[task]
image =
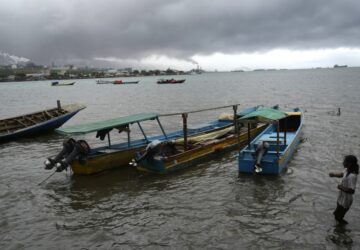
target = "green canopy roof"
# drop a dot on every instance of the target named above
(265, 115)
(108, 124)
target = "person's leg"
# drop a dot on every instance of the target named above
(339, 213)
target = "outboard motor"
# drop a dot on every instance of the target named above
(68, 147)
(68, 154)
(261, 150)
(151, 150)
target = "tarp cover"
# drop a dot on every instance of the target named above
(108, 124)
(265, 115)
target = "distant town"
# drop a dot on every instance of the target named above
(31, 72)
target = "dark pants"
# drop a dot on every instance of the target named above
(340, 212)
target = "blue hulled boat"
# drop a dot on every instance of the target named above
(37, 122)
(281, 138)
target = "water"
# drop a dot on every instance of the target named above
(204, 207)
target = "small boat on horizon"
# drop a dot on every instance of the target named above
(56, 83)
(36, 123)
(170, 81)
(116, 82)
(104, 82)
(275, 145)
(125, 82)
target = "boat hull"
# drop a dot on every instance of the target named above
(102, 162)
(62, 84)
(191, 157)
(171, 81)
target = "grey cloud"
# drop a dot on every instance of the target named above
(80, 30)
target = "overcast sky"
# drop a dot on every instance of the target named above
(223, 35)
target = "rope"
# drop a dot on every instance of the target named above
(46, 178)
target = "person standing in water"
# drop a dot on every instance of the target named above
(347, 187)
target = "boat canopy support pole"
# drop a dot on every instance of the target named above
(285, 120)
(236, 132)
(278, 137)
(108, 136)
(161, 127)
(184, 116)
(128, 135)
(248, 135)
(142, 131)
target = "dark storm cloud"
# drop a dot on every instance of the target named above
(78, 30)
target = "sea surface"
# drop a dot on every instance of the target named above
(204, 207)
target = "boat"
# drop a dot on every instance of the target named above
(104, 82)
(62, 84)
(124, 82)
(119, 155)
(37, 122)
(280, 140)
(170, 156)
(170, 81)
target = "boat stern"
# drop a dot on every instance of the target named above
(270, 165)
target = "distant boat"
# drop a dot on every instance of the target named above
(170, 81)
(340, 66)
(104, 82)
(62, 84)
(123, 82)
(37, 122)
(282, 136)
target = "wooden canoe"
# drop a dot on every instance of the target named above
(170, 81)
(36, 123)
(62, 84)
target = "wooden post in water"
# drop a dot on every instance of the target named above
(58, 105)
(184, 116)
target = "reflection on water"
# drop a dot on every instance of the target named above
(207, 206)
(340, 236)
